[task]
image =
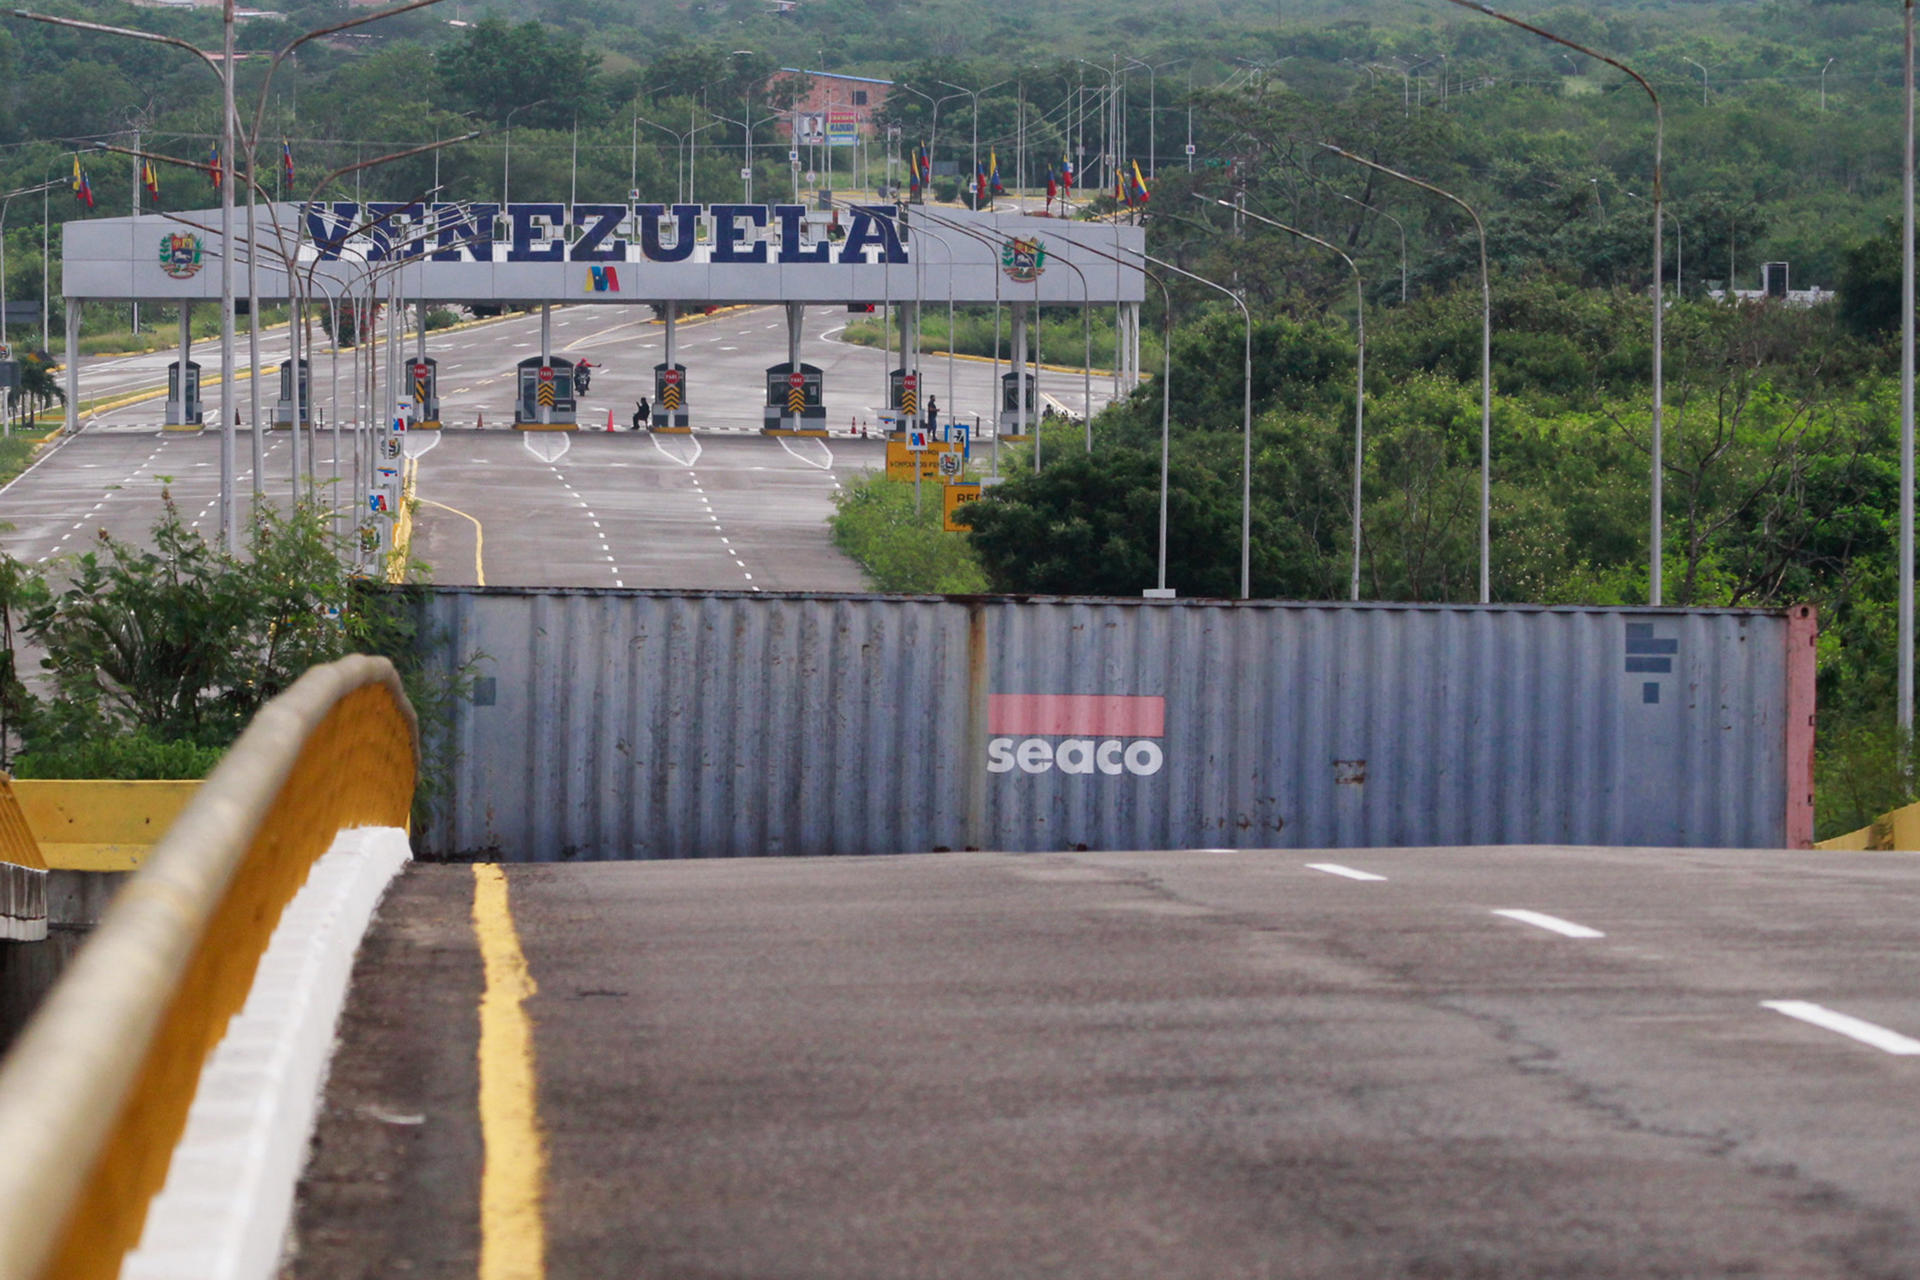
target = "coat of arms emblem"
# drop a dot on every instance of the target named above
(180, 254)
(1023, 260)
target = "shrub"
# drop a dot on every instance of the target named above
(900, 549)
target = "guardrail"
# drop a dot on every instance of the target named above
(96, 1090)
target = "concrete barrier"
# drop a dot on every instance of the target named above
(1899, 830)
(96, 1091)
(99, 825)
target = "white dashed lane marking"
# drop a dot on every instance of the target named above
(1553, 924)
(1335, 869)
(1867, 1033)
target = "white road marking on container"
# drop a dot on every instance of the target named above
(1335, 869)
(1860, 1029)
(1555, 924)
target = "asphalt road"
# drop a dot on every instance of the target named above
(500, 508)
(630, 509)
(1197, 1064)
(725, 507)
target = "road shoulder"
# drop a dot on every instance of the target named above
(392, 1183)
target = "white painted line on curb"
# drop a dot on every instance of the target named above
(1854, 1028)
(1539, 920)
(1335, 869)
(229, 1194)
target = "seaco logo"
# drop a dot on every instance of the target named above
(1108, 734)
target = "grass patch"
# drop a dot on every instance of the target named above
(899, 549)
(15, 453)
(1061, 338)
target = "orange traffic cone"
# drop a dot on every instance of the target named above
(609, 419)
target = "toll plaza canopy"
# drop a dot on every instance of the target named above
(613, 253)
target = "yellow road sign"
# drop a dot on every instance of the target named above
(957, 496)
(900, 459)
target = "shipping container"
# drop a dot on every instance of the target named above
(648, 724)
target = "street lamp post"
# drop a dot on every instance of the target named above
(1906, 405)
(1401, 226)
(1108, 141)
(222, 65)
(993, 246)
(681, 137)
(933, 133)
(1679, 250)
(975, 95)
(1703, 78)
(1659, 257)
(746, 126)
(506, 148)
(1152, 100)
(1486, 364)
(5, 200)
(1823, 83)
(1359, 374)
(289, 257)
(1246, 417)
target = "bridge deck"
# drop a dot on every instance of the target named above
(1154, 1065)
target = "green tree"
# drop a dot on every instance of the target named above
(1089, 524)
(495, 68)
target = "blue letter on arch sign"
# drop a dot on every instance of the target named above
(872, 224)
(791, 217)
(727, 232)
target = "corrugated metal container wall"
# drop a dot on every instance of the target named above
(628, 724)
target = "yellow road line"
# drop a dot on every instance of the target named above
(479, 539)
(513, 1235)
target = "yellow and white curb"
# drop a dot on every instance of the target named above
(228, 1200)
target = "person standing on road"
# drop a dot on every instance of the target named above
(642, 412)
(933, 414)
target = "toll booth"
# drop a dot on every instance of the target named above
(283, 410)
(183, 410)
(545, 394)
(1009, 425)
(670, 397)
(423, 373)
(794, 400)
(905, 391)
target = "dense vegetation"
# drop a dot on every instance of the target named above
(152, 656)
(1781, 142)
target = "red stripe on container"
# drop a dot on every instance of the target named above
(1081, 715)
